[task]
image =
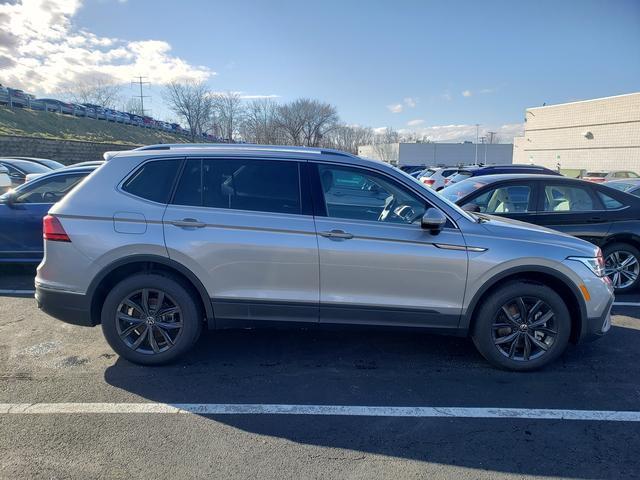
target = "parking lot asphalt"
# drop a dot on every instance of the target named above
(45, 361)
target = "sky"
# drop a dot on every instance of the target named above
(436, 68)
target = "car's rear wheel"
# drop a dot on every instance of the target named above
(151, 319)
(522, 326)
(622, 266)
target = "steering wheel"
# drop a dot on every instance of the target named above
(389, 204)
(49, 197)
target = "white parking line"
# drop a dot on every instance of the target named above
(16, 292)
(338, 410)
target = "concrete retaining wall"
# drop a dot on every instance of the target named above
(64, 151)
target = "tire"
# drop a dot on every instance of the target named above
(176, 323)
(492, 326)
(615, 255)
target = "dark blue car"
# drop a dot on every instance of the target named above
(22, 210)
(477, 171)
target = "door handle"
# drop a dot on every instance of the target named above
(188, 223)
(336, 234)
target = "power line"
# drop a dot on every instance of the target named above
(141, 81)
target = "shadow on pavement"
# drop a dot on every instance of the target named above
(406, 369)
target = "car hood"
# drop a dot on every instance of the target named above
(517, 230)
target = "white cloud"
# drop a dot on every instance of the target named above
(487, 90)
(42, 51)
(258, 97)
(461, 133)
(395, 108)
(467, 93)
(415, 123)
(446, 96)
(410, 102)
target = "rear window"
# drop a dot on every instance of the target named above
(460, 176)
(448, 173)
(427, 173)
(456, 191)
(29, 167)
(596, 174)
(153, 181)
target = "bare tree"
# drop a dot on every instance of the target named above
(192, 102)
(228, 110)
(319, 119)
(385, 145)
(290, 118)
(133, 106)
(259, 123)
(306, 121)
(348, 138)
(98, 91)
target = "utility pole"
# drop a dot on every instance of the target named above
(477, 131)
(141, 81)
(484, 142)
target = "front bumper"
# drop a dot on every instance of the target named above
(69, 307)
(598, 326)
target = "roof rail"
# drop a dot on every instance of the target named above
(243, 146)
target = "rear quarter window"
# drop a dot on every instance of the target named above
(153, 180)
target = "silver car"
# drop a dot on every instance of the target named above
(165, 240)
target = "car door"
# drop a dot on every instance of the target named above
(512, 199)
(21, 216)
(245, 227)
(384, 268)
(572, 207)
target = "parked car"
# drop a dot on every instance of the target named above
(110, 115)
(607, 175)
(22, 211)
(435, 177)
(163, 240)
(4, 94)
(596, 213)
(17, 97)
(53, 105)
(5, 179)
(98, 111)
(19, 169)
(631, 185)
(52, 164)
(477, 171)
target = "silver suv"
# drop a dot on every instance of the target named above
(163, 240)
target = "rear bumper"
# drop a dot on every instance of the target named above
(598, 326)
(69, 307)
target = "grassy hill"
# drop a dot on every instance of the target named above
(51, 125)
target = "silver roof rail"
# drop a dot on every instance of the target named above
(243, 146)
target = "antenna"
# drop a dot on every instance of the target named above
(141, 81)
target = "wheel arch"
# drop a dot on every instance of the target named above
(540, 275)
(621, 237)
(114, 272)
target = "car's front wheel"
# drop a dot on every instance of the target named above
(522, 326)
(622, 266)
(151, 319)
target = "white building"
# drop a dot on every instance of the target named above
(598, 134)
(442, 154)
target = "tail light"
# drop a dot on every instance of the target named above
(428, 181)
(52, 230)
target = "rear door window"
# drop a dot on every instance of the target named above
(504, 200)
(241, 184)
(569, 198)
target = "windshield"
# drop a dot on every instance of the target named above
(28, 167)
(456, 191)
(622, 186)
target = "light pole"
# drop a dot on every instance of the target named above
(476, 155)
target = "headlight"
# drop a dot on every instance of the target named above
(595, 264)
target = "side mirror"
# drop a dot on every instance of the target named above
(8, 198)
(471, 207)
(433, 220)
